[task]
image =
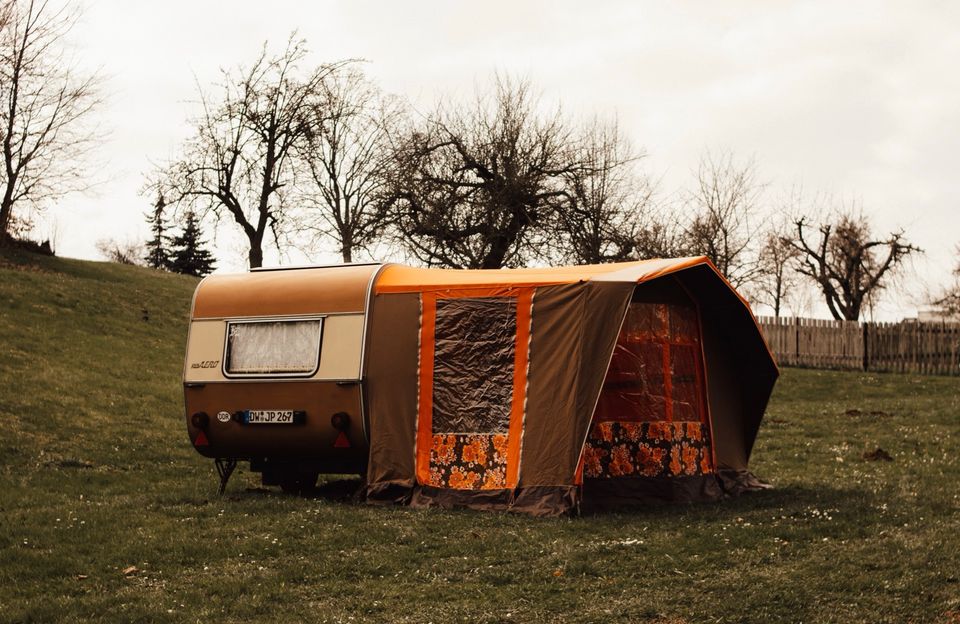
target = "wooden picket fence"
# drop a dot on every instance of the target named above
(906, 347)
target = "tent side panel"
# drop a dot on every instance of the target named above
(725, 398)
(574, 330)
(467, 395)
(740, 373)
(391, 395)
(549, 436)
(607, 304)
(650, 440)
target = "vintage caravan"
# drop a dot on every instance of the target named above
(537, 390)
(274, 369)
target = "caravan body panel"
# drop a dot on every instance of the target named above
(273, 366)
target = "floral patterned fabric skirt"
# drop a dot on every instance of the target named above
(469, 461)
(649, 449)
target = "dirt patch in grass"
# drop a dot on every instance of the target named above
(878, 454)
(857, 412)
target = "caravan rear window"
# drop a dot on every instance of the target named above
(273, 348)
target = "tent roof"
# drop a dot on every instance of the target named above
(398, 278)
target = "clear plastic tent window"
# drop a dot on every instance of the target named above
(654, 374)
(473, 365)
(273, 347)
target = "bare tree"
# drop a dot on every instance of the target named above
(725, 217)
(848, 264)
(778, 281)
(777, 264)
(347, 154)
(122, 252)
(660, 234)
(476, 186)
(6, 12)
(44, 103)
(609, 212)
(241, 162)
(949, 300)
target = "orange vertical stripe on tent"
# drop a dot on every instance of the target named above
(667, 381)
(425, 399)
(520, 358)
(578, 475)
(702, 399)
(664, 340)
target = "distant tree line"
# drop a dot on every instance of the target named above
(314, 156)
(294, 154)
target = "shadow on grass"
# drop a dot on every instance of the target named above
(334, 491)
(788, 499)
(339, 490)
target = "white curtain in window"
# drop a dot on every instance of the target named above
(274, 347)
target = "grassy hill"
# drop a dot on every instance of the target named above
(97, 477)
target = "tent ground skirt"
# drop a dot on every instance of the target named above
(618, 494)
(533, 500)
(643, 492)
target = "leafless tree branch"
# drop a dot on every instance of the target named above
(474, 185)
(724, 204)
(241, 163)
(610, 207)
(347, 158)
(847, 263)
(44, 106)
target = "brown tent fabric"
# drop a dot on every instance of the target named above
(741, 372)
(573, 336)
(452, 423)
(391, 396)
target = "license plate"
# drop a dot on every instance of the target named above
(270, 417)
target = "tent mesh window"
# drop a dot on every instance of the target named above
(473, 372)
(651, 416)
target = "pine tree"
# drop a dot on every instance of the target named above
(189, 256)
(158, 253)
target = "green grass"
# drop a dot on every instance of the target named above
(96, 475)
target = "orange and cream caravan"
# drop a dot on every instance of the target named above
(273, 372)
(539, 390)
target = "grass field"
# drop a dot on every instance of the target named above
(97, 477)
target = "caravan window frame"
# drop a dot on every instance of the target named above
(272, 319)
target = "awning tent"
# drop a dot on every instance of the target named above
(541, 390)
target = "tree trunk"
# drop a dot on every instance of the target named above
(6, 209)
(346, 249)
(500, 245)
(256, 254)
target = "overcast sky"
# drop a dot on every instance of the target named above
(860, 100)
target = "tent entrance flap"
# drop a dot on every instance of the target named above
(473, 376)
(651, 419)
